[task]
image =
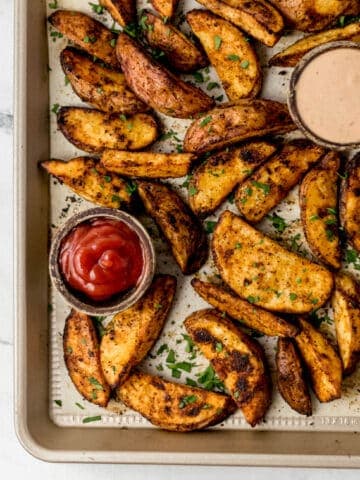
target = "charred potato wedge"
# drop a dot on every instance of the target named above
(82, 359)
(348, 285)
(250, 315)
(211, 182)
(232, 56)
(173, 406)
(290, 377)
(86, 32)
(224, 126)
(131, 334)
(322, 362)
(270, 184)
(157, 86)
(318, 207)
(238, 360)
(94, 131)
(264, 273)
(350, 202)
(147, 164)
(122, 11)
(89, 179)
(178, 224)
(166, 8)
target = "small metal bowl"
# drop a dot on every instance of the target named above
(118, 302)
(292, 95)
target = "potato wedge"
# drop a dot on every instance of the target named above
(105, 89)
(81, 355)
(353, 8)
(131, 334)
(290, 377)
(179, 50)
(122, 11)
(270, 184)
(322, 362)
(212, 181)
(166, 8)
(173, 406)
(89, 179)
(232, 56)
(86, 32)
(250, 315)
(157, 86)
(291, 55)
(147, 164)
(348, 285)
(224, 126)
(318, 206)
(93, 131)
(179, 225)
(238, 360)
(263, 272)
(350, 202)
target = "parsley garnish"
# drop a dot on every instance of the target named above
(293, 296)
(198, 77)
(58, 403)
(253, 299)
(55, 108)
(205, 121)
(187, 400)
(91, 419)
(212, 85)
(96, 383)
(245, 64)
(131, 187)
(209, 226)
(263, 186)
(192, 190)
(99, 9)
(217, 42)
(79, 406)
(53, 4)
(209, 380)
(233, 57)
(278, 222)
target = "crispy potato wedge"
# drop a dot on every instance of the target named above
(322, 361)
(86, 32)
(82, 359)
(179, 50)
(353, 8)
(318, 206)
(212, 181)
(265, 273)
(290, 377)
(224, 126)
(166, 8)
(347, 284)
(157, 86)
(89, 179)
(291, 55)
(106, 89)
(250, 315)
(180, 227)
(257, 18)
(122, 11)
(131, 333)
(233, 58)
(147, 164)
(270, 184)
(350, 202)
(173, 406)
(93, 131)
(238, 360)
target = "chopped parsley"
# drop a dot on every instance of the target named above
(131, 187)
(191, 382)
(187, 400)
(314, 217)
(53, 4)
(253, 299)
(97, 385)
(55, 108)
(96, 8)
(278, 222)
(209, 380)
(158, 306)
(170, 357)
(205, 121)
(79, 406)
(58, 403)
(107, 178)
(262, 186)
(162, 349)
(209, 226)
(217, 42)
(198, 77)
(238, 246)
(91, 419)
(293, 296)
(192, 190)
(113, 42)
(219, 347)
(212, 85)
(89, 39)
(233, 58)
(245, 64)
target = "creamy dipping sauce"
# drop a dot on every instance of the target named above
(327, 95)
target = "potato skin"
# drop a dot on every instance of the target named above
(157, 86)
(81, 355)
(350, 202)
(290, 377)
(163, 403)
(166, 8)
(179, 225)
(122, 11)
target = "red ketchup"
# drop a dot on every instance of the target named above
(101, 258)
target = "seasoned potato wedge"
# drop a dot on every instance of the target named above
(122, 11)
(318, 205)
(93, 131)
(157, 86)
(147, 164)
(347, 284)
(87, 33)
(224, 126)
(212, 181)
(179, 225)
(238, 360)
(265, 273)
(81, 354)
(270, 184)
(291, 55)
(173, 406)
(104, 88)
(353, 8)
(166, 8)
(250, 315)
(131, 334)
(179, 50)
(257, 18)
(89, 179)
(350, 202)
(290, 377)
(322, 361)
(232, 56)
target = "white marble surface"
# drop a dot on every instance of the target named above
(13, 459)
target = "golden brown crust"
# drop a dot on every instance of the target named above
(166, 8)
(350, 202)
(122, 11)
